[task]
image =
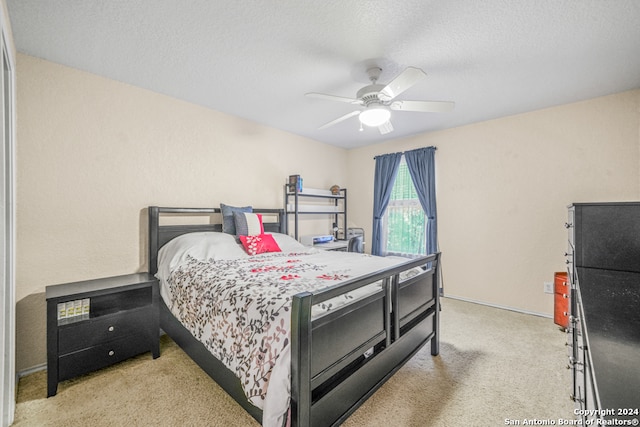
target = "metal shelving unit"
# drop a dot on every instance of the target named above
(335, 205)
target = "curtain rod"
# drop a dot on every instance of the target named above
(434, 147)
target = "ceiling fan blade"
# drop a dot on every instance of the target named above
(385, 128)
(333, 98)
(404, 80)
(340, 119)
(423, 106)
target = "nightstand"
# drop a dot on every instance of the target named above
(96, 323)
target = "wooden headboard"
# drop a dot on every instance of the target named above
(159, 235)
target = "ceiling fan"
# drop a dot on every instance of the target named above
(378, 100)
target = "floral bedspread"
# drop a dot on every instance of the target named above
(240, 308)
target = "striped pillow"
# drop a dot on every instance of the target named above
(248, 224)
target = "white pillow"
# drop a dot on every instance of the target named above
(201, 245)
(288, 243)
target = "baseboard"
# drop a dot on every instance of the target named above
(548, 316)
(31, 370)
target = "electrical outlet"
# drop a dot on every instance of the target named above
(548, 287)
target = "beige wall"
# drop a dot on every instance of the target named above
(94, 153)
(503, 187)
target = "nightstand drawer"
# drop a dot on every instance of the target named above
(100, 356)
(84, 334)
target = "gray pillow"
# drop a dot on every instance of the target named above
(228, 223)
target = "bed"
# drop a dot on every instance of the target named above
(341, 324)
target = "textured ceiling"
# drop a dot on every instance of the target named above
(257, 59)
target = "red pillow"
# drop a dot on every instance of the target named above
(259, 244)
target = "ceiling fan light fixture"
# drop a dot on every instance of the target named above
(375, 116)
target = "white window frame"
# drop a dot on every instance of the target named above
(385, 230)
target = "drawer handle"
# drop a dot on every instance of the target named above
(565, 296)
(111, 329)
(111, 352)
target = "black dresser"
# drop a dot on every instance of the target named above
(604, 325)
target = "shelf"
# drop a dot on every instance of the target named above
(312, 192)
(318, 209)
(334, 204)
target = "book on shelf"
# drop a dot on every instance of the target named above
(62, 311)
(295, 183)
(73, 311)
(86, 308)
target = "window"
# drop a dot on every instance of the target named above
(404, 225)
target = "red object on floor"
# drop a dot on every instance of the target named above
(561, 299)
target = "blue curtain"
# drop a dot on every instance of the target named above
(421, 166)
(385, 176)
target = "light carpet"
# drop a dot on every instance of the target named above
(495, 366)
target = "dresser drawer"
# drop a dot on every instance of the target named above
(88, 333)
(102, 355)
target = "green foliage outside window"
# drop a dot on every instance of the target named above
(403, 188)
(405, 219)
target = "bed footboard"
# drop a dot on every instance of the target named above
(340, 359)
